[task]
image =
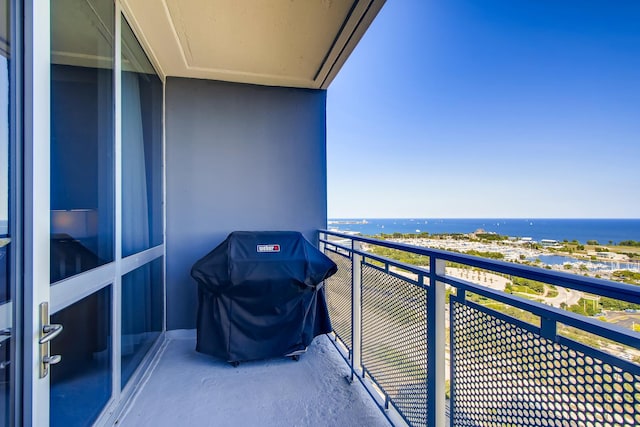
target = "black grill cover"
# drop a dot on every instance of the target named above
(260, 295)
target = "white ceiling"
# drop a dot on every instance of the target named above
(297, 43)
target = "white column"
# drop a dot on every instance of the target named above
(439, 345)
(37, 66)
(356, 310)
(116, 289)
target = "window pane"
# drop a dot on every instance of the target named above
(81, 136)
(142, 313)
(81, 382)
(141, 148)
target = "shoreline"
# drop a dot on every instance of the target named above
(604, 230)
(578, 263)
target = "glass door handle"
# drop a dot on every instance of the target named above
(49, 332)
(52, 360)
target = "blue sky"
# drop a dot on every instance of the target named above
(489, 108)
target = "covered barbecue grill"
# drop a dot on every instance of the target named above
(260, 295)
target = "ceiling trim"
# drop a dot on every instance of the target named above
(188, 63)
(354, 5)
(137, 31)
(174, 33)
(364, 12)
(359, 16)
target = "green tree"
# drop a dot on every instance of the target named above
(585, 307)
(627, 276)
(492, 255)
(528, 286)
(617, 305)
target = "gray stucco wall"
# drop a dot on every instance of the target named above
(238, 157)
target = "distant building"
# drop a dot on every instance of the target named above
(607, 255)
(524, 240)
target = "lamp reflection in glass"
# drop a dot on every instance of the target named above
(75, 223)
(73, 234)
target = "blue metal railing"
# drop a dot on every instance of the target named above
(503, 369)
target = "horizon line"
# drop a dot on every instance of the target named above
(478, 217)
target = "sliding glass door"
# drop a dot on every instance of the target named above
(82, 231)
(106, 242)
(91, 246)
(142, 291)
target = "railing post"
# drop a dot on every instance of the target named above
(437, 344)
(356, 308)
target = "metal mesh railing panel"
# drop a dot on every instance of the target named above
(506, 375)
(394, 340)
(339, 297)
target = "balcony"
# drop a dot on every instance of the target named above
(188, 388)
(478, 356)
(484, 357)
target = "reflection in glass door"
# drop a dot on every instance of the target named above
(106, 234)
(81, 382)
(82, 208)
(82, 136)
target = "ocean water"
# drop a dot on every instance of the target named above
(602, 230)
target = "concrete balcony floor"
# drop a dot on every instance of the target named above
(186, 388)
